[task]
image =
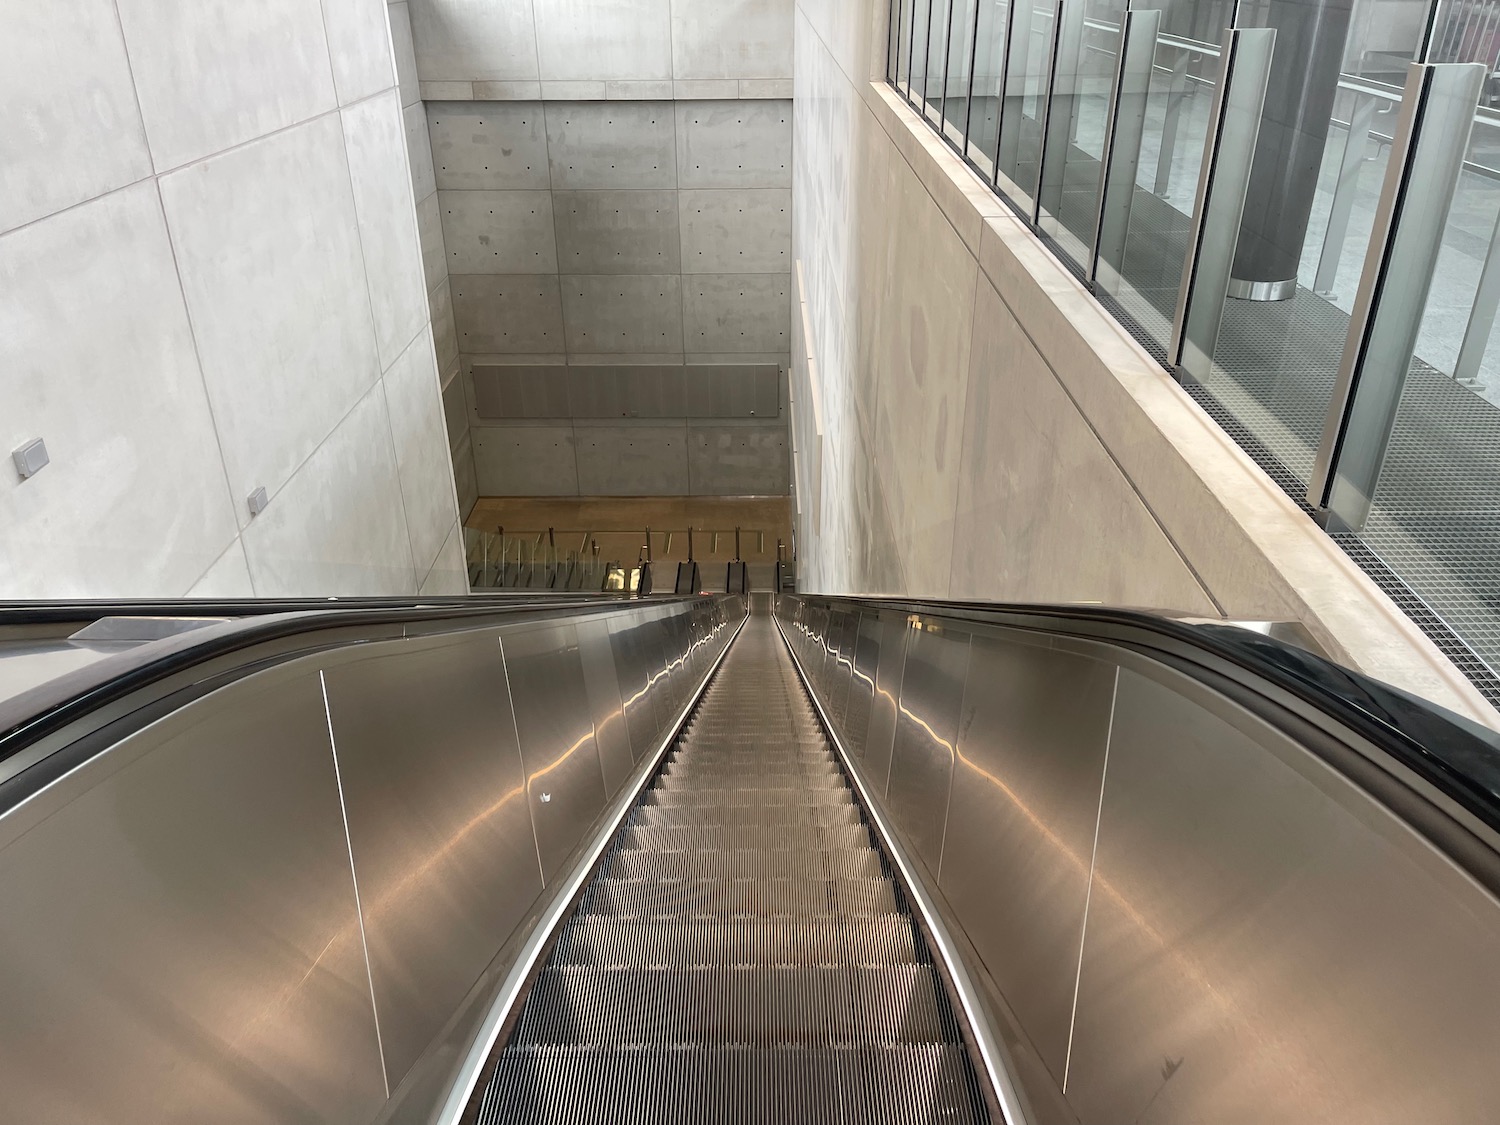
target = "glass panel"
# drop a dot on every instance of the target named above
(1143, 276)
(1320, 160)
(903, 44)
(1435, 513)
(921, 10)
(1069, 196)
(937, 60)
(892, 42)
(989, 62)
(1025, 86)
(960, 59)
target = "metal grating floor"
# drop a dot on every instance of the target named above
(743, 954)
(1433, 541)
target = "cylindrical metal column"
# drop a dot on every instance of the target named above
(1310, 36)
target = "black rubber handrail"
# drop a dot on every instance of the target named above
(1458, 757)
(33, 715)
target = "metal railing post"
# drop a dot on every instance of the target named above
(1057, 117)
(1427, 155)
(1223, 178)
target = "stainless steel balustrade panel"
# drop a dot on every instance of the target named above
(564, 778)
(634, 668)
(1265, 943)
(932, 693)
(893, 634)
(1020, 829)
(438, 826)
(862, 684)
(602, 685)
(179, 931)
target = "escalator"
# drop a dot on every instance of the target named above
(552, 857)
(744, 952)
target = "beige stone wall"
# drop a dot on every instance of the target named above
(970, 423)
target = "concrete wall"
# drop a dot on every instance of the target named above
(968, 422)
(210, 283)
(603, 49)
(434, 259)
(616, 233)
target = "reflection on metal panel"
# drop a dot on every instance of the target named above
(602, 686)
(1266, 943)
(564, 781)
(1020, 836)
(893, 631)
(862, 685)
(932, 691)
(634, 666)
(183, 907)
(436, 805)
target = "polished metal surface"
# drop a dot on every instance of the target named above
(564, 778)
(1020, 830)
(178, 937)
(435, 798)
(203, 920)
(1186, 915)
(601, 685)
(892, 662)
(637, 659)
(1265, 943)
(1283, 290)
(932, 693)
(459, 1061)
(862, 683)
(741, 955)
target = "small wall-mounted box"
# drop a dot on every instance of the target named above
(31, 458)
(257, 501)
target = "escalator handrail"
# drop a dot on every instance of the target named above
(1458, 757)
(31, 716)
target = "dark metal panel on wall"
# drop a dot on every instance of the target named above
(564, 780)
(438, 828)
(932, 692)
(1032, 743)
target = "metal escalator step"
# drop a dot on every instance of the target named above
(738, 940)
(750, 799)
(861, 863)
(716, 816)
(745, 837)
(662, 897)
(732, 1085)
(742, 953)
(758, 1005)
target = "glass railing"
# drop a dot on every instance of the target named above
(1296, 209)
(610, 560)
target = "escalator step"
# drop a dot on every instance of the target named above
(742, 954)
